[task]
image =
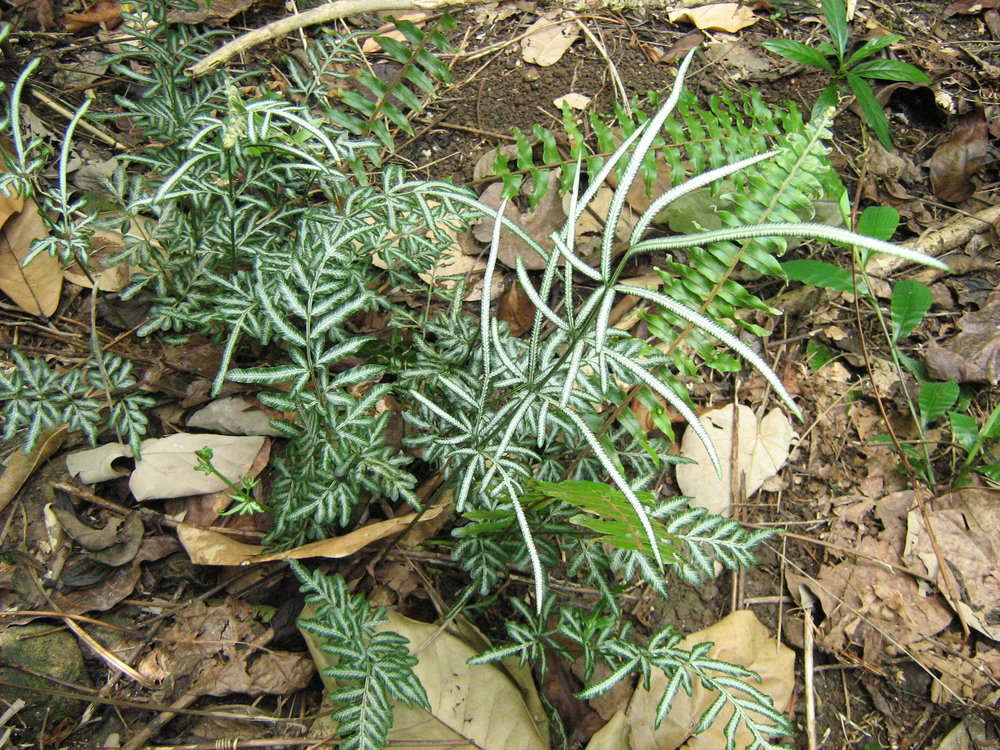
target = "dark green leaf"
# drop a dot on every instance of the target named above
(910, 302)
(935, 399)
(879, 222)
(870, 107)
(964, 430)
(835, 13)
(819, 273)
(870, 47)
(798, 52)
(890, 70)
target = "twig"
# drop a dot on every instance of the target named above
(807, 665)
(95, 131)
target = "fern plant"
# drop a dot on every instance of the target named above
(263, 229)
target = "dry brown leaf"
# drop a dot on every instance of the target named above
(479, 704)
(114, 278)
(211, 12)
(234, 415)
(956, 160)
(35, 287)
(573, 100)
(969, 7)
(206, 547)
(517, 309)
(730, 17)
(371, 44)
(105, 12)
(739, 638)
(972, 356)
(21, 465)
(96, 464)
(966, 528)
(762, 450)
(540, 222)
(167, 468)
(548, 38)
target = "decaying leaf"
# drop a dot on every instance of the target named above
(21, 465)
(966, 528)
(969, 7)
(739, 638)
(956, 160)
(540, 222)
(103, 244)
(115, 544)
(572, 100)
(548, 38)
(102, 12)
(233, 416)
(516, 308)
(211, 12)
(479, 705)
(96, 464)
(729, 17)
(167, 468)
(972, 356)
(371, 44)
(35, 287)
(762, 450)
(206, 547)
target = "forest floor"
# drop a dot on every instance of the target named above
(896, 664)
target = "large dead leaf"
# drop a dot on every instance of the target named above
(547, 39)
(762, 450)
(211, 12)
(966, 527)
(870, 605)
(739, 638)
(167, 468)
(21, 465)
(730, 17)
(956, 160)
(969, 7)
(35, 287)
(97, 464)
(110, 278)
(206, 547)
(973, 356)
(480, 705)
(539, 222)
(234, 416)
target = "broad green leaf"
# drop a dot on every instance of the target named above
(890, 70)
(990, 471)
(991, 428)
(879, 222)
(828, 98)
(819, 273)
(935, 399)
(910, 302)
(870, 47)
(964, 430)
(870, 107)
(798, 52)
(818, 355)
(835, 13)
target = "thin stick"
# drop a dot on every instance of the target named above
(807, 666)
(55, 106)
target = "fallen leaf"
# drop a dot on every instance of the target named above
(211, 12)
(762, 450)
(539, 222)
(477, 704)
(681, 47)
(572, 100)
(103, 244)
(103, 12)
(738, 638)
(741, 60)
(956, 160)
(730, 17)
(35, 287)
(167, 468)
(547, 39)
(96, 464)
(21, 465)
(371, 44)
(114, 544)
(517, 309)
(233, 416)
(969, 7)
(973, 355)
(966, 526)
(206, 547)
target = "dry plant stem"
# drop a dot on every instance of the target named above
(807, 667)
(90, 128)
(937, 241)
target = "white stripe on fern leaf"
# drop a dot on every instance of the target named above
(715, 330)
(484, 304)
(650, 130)
(789, 229)
(674, 400)
(678, 191)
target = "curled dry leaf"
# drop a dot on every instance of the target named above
(956, 160)
(206, 547)
(103, 12)
(730, 17)
(762, 449)
(113, 278)
(540, 222)
(548, 38)
(21, 465)
(35, 287)
(97, 464)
